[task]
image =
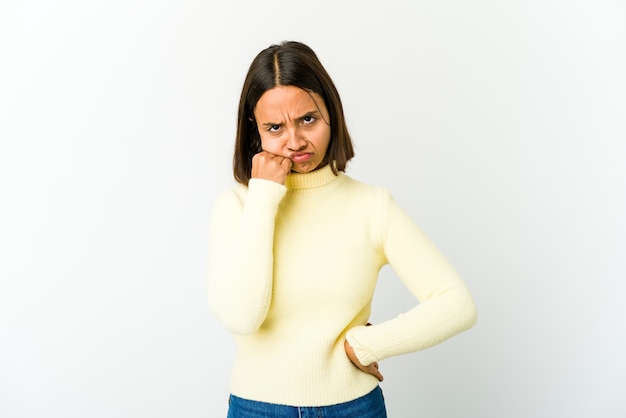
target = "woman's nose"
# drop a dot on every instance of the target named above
(295, 142)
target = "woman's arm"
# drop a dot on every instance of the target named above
(446, 306)
(241, 255)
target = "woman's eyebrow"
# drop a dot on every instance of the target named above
(271, 124)
(314, 113)
(309, 113)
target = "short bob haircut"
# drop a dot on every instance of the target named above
(295, 64)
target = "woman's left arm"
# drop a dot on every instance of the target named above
(445, 307)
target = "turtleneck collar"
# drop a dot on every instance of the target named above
(317, 178)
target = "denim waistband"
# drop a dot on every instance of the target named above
(371, 405)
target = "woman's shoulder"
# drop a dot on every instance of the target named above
(259, 190)
(367, 189)
(234, 194)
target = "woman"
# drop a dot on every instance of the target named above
(295, 252)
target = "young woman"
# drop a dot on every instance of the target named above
(295, 252)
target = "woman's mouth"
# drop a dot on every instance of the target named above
(300, 157)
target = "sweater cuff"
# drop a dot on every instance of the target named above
(362, 353)
(377, 342)
(265, 193)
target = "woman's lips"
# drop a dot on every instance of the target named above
(300, 158)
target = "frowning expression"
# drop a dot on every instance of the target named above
(293, 123)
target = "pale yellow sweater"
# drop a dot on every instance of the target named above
(292, 272)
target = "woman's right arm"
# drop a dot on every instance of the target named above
(241, 255)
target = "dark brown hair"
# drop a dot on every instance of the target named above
(295, 64)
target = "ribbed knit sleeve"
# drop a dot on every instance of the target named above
(445, 305)
(241, 255)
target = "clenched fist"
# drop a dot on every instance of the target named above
(268, 166)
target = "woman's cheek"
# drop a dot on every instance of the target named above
(271, 145)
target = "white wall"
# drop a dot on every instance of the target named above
(498, 125)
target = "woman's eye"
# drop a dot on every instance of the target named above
(274, 128)
(308, 119)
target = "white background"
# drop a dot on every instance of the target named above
(499, 126)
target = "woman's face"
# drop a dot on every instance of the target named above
(292, 124)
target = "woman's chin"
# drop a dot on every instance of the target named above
(303, 168)
(306, 167)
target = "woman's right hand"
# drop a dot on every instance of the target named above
(369, 369)
(268, 166)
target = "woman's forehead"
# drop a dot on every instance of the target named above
(287, 101)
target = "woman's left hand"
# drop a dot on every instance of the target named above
(369, 369)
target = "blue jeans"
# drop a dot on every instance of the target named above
(371, 405)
